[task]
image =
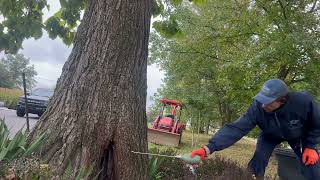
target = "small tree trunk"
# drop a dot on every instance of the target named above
(228, 113)
(192, 133)
(207, 127)
(283, 72)
(199, 122)
(97, 114)
(221, 112)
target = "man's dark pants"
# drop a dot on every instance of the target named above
(264, 150)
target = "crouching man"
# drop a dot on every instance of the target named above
(282, 116)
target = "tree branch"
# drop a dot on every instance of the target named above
(283, 9)
(273, 20)
(292, 81)
(283, 71)
(313, 6)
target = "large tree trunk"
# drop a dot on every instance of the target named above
(97, 114)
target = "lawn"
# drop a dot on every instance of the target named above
(241, 152)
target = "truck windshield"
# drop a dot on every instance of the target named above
(42, 92)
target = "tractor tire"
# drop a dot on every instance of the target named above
(20, 112)
(40, 114)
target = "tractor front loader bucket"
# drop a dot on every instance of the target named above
(163, 138)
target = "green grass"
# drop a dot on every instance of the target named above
(241, 152)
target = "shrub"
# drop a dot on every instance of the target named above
(166, 168)
(153, 168)
(254, 133)
(222, 169)
(211, 168)
(10, 97)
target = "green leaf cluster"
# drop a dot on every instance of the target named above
(64, 22)
(157, 8)
(19, 20)
(168, 28)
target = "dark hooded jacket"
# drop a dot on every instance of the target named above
(297, 119)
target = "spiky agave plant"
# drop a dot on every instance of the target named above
(154, 172)
(153, 168)
(17, 146)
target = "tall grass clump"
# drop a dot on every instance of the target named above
(10, 97)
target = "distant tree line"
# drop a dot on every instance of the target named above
(11, 69)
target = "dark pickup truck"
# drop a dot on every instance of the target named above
(37, 102)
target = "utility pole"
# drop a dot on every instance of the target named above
(25, 100)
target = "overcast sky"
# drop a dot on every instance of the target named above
(48, 57)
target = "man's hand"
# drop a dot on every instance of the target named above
(310, 156)
(202, 152)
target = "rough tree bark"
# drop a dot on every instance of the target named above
(97, 114)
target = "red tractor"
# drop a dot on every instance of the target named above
(167, 130)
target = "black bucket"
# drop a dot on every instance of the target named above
(289, 167)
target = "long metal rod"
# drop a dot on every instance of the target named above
(162, 155)
(25, 100)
